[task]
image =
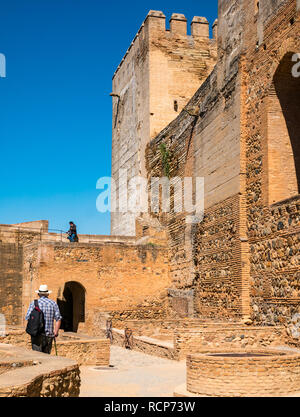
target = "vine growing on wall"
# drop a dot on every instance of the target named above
(165, 155)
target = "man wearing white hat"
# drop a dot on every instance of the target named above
(43, 342)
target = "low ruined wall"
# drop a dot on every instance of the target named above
(16, 337)
(145, 344)
(85, 352)
(163, 328)
(83, 349)
(275, 375)
(62, 383)
(188, 341)
(45, 377)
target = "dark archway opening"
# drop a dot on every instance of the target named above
(72, 306)
(284, 133)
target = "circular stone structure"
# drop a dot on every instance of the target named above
(242, 373)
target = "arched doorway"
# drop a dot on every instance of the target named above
(72, 306)
(284, 133)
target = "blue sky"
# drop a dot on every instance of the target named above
(55, 120)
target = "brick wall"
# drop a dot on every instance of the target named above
(11, 264)
(231, 260)
(272, 167)
(275, 375)
(123, 280)
(207, 258)
(227, 336)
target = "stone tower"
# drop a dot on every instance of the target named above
(160, 72)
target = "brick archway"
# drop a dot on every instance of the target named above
(283, 132)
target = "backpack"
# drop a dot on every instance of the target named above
(36, 322)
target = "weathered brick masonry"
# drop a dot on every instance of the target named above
(271, 125)
(158, 75)
(11, 265)
(204, 141)
(240, 132)
(114, 276)
(219, 376)
(126, 280)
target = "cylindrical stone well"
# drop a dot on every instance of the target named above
(238, 373)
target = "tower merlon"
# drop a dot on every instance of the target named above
(178, 24)
(200, 27)
(215, 29)
(156, 13)
(156, 20)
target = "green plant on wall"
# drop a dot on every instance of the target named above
(165, 155)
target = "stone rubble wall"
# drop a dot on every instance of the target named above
(273, 228)
(62, 383)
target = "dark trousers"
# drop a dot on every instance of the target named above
(42, 343)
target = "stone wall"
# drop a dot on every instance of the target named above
(275, 243)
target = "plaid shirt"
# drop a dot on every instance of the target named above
(51, 313)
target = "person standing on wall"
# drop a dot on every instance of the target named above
(40, 326)
(72, 232)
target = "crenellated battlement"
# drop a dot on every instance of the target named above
(160, 72)
(155, 24)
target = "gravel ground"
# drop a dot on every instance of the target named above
(121, 357)
(133, 374)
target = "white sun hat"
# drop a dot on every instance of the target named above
(43, 290)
